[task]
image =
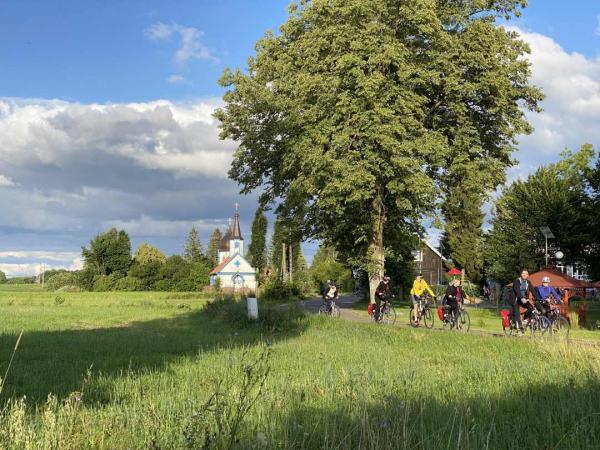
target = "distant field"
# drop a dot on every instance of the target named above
(136, 370)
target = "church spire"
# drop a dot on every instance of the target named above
(237, 233)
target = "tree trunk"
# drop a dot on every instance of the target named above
(376, 249)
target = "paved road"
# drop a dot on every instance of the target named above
(345, 303)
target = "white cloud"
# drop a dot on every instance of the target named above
(176, 79)
(571, 116)
(6, 181)
(178, 138)
(35, 259)
(189, 41)
(147, 226)
(39, 254)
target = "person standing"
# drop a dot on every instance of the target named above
(519, 297)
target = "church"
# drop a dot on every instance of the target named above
(233, 270)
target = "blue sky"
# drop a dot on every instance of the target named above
(105, 114)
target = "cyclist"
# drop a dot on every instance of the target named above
(519, 297)
(331, 295)
(420, 286)
(546, 293)
(382, 294)
(455, 295)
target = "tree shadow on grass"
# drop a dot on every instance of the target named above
(57, 361)
(560, 415)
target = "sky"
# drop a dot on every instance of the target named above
(106, 115)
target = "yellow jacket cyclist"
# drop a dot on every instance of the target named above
(420, 286)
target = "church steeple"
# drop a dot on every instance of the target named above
(236, 231)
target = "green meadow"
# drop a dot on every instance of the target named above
(173, 371)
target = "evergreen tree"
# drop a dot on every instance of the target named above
(257, 250)
(193, 251)
(359, 110)
(212, 252)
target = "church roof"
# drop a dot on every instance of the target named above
(221, 266)
(224, 245)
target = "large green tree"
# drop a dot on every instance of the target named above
(360, 113)
(554, 196)
(257, 250)
(108, 253)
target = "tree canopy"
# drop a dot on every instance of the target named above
(108, 253)
(361, 115)
(555, 196)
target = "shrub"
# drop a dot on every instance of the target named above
(62, 280)
(103, 283)
(278, 291)
(128, 283)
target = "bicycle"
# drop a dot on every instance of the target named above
(387, 313)
(536, 325)
(333, 311)
(423, 312)
(461, 321)
(559, 325)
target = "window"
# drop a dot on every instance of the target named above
(417, 255)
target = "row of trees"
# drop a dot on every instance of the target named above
(565, 197)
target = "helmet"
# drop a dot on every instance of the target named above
(546, 280)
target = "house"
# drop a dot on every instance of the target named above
(233, 270)
(430, 262)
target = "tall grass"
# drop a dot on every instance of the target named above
(207, 377)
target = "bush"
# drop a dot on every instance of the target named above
(103, 283)
(62, 280)
(275, 290)
(129, 284)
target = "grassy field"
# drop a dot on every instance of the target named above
(166, 371)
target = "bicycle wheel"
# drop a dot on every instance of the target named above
(322, 310)
(428, 318)
(463, 321)
(539, 326)
(561, 327)
(389, 316)
(335, 311)
(509, 331)
(411, 318)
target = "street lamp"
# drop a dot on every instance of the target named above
(548, 235)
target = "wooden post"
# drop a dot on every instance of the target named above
(283, 263)
(291, 265)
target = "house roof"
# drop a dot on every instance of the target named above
(557, 279)
(434, 250)
(221, 266)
